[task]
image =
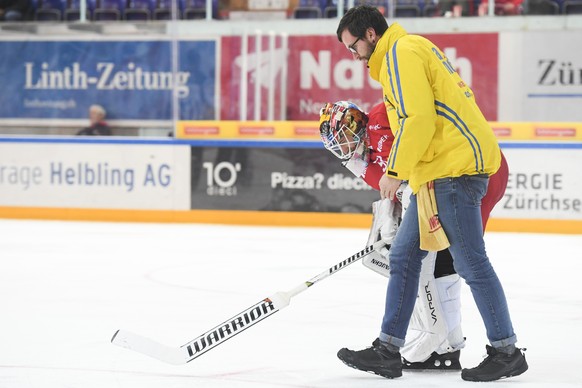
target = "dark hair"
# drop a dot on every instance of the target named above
(358, 19)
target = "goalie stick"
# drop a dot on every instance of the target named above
(231, 327)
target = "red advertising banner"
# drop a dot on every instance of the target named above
(319, 69)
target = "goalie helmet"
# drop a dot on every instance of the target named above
(342, 127)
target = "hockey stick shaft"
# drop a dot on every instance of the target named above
(232, 326)
(260, 311)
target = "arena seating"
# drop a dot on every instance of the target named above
(144, 10)
(49, 10)
(406, 10)
(163, 10)
(308, 9)
(139, 10)
(109, 10)
(542, 7)
(571, 7)
(73, 10)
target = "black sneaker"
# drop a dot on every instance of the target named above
(446, 361)
(377, 359)
(497, 365)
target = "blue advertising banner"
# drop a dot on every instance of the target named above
(133, 80)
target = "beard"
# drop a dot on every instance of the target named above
(369, 49)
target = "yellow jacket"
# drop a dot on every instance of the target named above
(438, 128)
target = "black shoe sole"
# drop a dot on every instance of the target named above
(384, 372)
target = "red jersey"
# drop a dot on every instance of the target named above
(379, 142)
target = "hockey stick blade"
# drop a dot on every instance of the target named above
(229, 328)
(143, 345)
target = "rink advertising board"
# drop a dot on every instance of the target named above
(252, 182)
(544, 182)
(319, 69)
(543, 193)
(94, 175)
(132, 79)
(275, 176)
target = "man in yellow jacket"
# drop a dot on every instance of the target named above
(446, 150)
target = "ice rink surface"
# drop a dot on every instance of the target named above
(66, 287)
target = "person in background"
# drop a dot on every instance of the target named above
(446, 151)
(98, 126)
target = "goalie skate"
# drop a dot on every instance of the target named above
(446, 361)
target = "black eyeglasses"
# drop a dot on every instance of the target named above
(351, 46)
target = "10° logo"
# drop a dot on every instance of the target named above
(221, 178)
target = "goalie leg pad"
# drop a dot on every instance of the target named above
(449, 289)
(427, 329)
(435, 325)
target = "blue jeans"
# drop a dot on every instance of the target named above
(459, 207)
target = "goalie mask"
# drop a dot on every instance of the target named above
(342, 127)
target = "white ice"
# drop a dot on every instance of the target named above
(66, 287)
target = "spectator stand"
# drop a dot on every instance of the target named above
(330, 8)
(146, 10)
(309, 9)
(193, 9)
(431, 9)
(74, 12)
(407, 9)
(541, 7)
(49, 10)
(109, 10)
(572, 7)
(130, 10)
(139, 10)
(163, 10)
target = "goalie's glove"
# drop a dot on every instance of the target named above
(385, 222)
(386, 217)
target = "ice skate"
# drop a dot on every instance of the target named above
(445, 361)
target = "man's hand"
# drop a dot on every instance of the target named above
(388, 187)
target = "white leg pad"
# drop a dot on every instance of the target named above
(435, 325)
(449, 288)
